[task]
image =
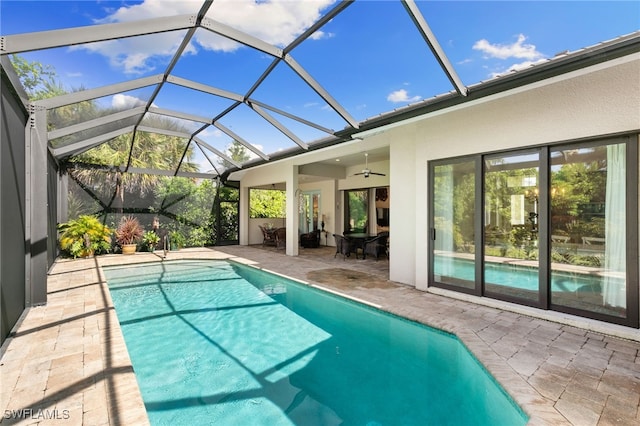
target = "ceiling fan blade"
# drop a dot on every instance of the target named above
(379, 174)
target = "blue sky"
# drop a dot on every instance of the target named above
(370, 58)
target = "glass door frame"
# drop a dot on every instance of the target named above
(632, 318)
(477, 223)
(304, 220)
(542, 226)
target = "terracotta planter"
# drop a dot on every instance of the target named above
(128, 248)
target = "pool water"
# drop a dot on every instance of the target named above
(213, 342)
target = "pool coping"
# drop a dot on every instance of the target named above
(108, 378)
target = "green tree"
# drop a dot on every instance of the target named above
(265, 203)
(39, 81)
(150, 150)
(236, 152)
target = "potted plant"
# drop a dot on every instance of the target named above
(84, 236)
(176, 240)
(128, 233)
(149, 240)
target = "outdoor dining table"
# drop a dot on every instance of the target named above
(359, 239)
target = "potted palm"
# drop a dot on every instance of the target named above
(128, 233)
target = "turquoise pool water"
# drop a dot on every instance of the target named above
(213, 342)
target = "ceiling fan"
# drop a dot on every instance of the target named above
(366, 172)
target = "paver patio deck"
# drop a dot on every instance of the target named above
(67, 361)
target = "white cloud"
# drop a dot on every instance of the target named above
(402, 96)
(277, 22)
(211, 131)
(121, 102)
(319, 35)
(517, 49)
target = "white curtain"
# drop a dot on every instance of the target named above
(614, 290)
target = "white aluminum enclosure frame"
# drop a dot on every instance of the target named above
(20, 43)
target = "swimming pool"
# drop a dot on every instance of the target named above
(213, 342)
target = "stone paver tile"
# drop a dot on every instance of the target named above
(626, 405)
(619, 384)
(590, 361)
(620, 345)
(548, 386)
(491, 334)
(96, 417)
(525, 363)
(613, 417)
(67, 362)
(578, 410)
(543, 335)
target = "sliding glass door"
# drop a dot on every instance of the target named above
(452, 224)
(511, 231)
(554, 227)
(588, 228)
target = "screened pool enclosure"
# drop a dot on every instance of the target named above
(174, 104)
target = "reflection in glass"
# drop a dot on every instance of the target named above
(357, 211)
(309, 210)
(453, 218)
(588, 235)
(511, 226)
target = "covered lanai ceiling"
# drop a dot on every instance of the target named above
(266, 74)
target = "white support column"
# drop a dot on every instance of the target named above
(292, 212)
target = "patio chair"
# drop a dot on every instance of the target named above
(376, 246)
(311, 239)
(281, 238)
(343, 246)
(268, 237)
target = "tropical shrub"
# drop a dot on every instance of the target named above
(177, 240)
(149, 240)
(84, 236)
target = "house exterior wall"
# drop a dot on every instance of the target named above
(599, 100)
